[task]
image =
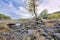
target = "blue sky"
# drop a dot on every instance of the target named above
(15, 8)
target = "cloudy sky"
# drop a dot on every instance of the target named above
(15, 8)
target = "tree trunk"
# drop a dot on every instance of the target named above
(34, 9)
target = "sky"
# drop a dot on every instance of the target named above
(16, 8)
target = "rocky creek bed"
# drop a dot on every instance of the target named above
(27, 31)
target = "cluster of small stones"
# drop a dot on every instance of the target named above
(26, 31)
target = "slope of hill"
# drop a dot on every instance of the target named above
(55, 15)
(4, 17)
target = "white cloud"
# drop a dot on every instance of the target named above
(51, 5)
(24, 12)
(10, 4)
(10, 8)
(6, 8)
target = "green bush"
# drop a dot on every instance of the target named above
(4, 17)
(43, 14)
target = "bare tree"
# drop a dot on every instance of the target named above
(32, 6)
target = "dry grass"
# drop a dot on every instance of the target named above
(3, 28)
